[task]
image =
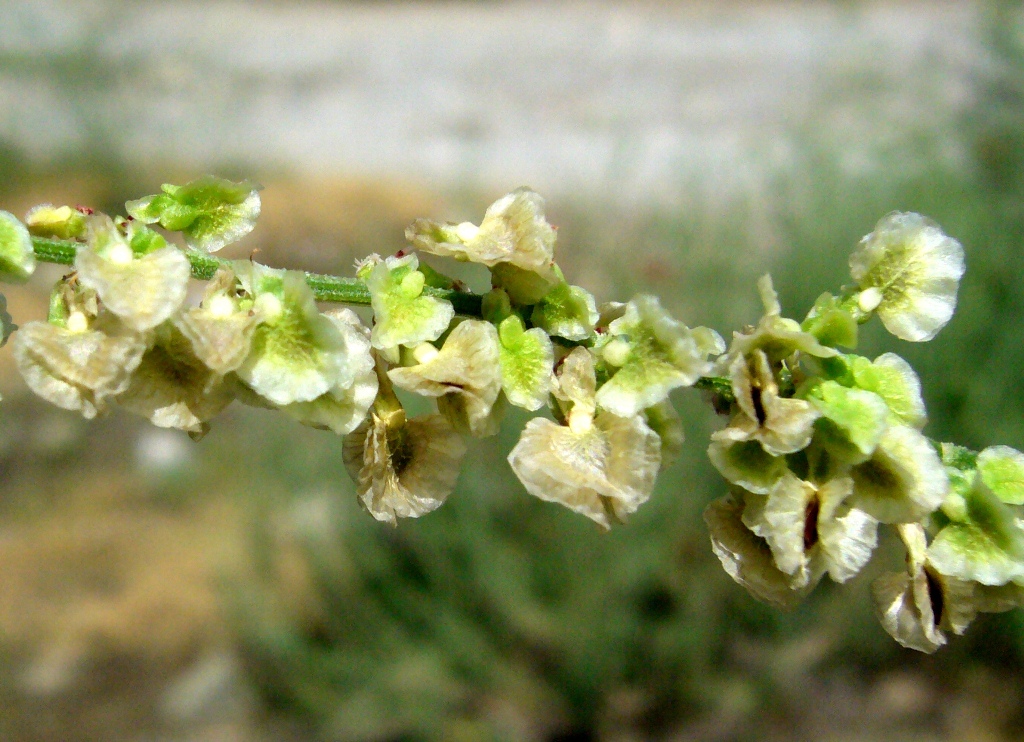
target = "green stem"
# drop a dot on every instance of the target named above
(325, 287)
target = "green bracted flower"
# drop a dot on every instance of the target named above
(852, 420)
(297, 353)
(464, 376)
(527, 360)
(211, 212)
(137, 276)
(599, 465)
(903, 481)
(984, 543)
(567, 311)
(812, 530)
(173, 388)
(1002, 470)
(831, 322)
(513, 231)
(343, 407)
(746, 557)
(651, 354)
(893, 379)
(917, 605)
(403, 315)
(909, 271)
(17, 260)
(746, 464)
(62, 222)
(7, 325)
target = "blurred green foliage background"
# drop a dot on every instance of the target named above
(153, 588)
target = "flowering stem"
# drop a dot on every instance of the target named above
(325, 287)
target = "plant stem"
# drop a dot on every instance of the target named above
(325, 287)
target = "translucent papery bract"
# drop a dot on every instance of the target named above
(831, 323)
(524, 287)
(142, 290)
(406, 470)
(915, 271)
(343, 407)
(78, 369)
(7, 325)
(747, 558)
(778, 337)
(211, 212)
(604, 470)
(513, 230)
(985, 544)
(173, 388)
(663, 419)
(914, 606)
(527, 359)
(402, 314)
(654, 354)
(854, 419)
(1002, 470)
(466, 372)
(813, 530)
(297, 353)
(576, 384)
(220, 329)
(746, 464)
(903, 480)
(782, 425)
(568, 312)
(893, 379)
(62, 222)
(17, 260)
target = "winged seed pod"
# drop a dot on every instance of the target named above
(17, 260)
(567, 311)
(650, 355)
(465, 376)
(909, 272)
(142, 288)
(892, 378)
(211, 212)
(527, 359)
(403, 314)
(403, 468)
(513, 231)
(601, 466)
(222, 326)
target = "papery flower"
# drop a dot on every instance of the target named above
(222, 326)
(602, 466)
(895, 381)
(343, 407)
(173, 388)
(62, 222)
(813, 530)
(403, 314)
(747, 558)
(746, 464)
(917, 605)
(17, 259)
(464, 375)
(831, 322)
(651, 354)
(903, 480)
(527, 359)
(211, 212)
(403, 468)
(852, 420)
(78, 360)
(297, 353)
(143, 286)
(567, 311)
(513, 231)
(781, 425)
(909, 271)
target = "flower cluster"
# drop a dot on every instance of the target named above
(822, 446)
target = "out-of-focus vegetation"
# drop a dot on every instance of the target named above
(499, 616)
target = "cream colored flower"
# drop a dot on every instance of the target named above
(781, 425)
(221, 328)
(917, 605)
(142, 289)
(465, 376)
(602, 466)
(403, 468)
(910, 271)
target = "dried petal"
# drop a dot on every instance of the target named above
(220, 328)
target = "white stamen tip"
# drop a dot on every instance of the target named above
(467, 231)
(120, 254)
(77, 322)
(221, 306)
(869, 299)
